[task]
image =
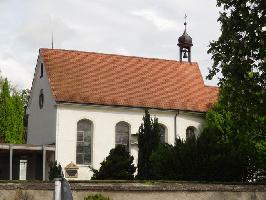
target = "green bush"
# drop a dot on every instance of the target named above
(202, 159)
(55, 171)
(163, 162)
(117, 166)
(96, 197)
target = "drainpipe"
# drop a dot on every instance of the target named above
(43, 162)
(175, 123)
(56, 132)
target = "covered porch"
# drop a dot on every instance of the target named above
(25, 162)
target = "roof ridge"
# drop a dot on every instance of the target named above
(112, 54)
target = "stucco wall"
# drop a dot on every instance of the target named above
(104, 120)
(41, 122)
(141, 191)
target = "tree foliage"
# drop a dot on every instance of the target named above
(25, 95)
(148, 142)
(117, 166)
(11, 116)
(55, 171)
(202, 159)
(13, 104)
(239, 54)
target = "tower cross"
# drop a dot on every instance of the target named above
(185, 22)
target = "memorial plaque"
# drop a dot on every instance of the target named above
(71, 170)
(71, 173)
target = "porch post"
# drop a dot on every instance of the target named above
(10, 161)
(43, 162)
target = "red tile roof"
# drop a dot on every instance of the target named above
(106, 79)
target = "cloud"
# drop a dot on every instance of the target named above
(160, 22)
(147, 28)
(12, 69)
(38, 33)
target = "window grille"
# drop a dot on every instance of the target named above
(84, 142)
(122, 134)
(162, 134)
(191, 132)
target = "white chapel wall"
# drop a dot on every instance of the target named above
(104, 120)
(186, 119)
(41, 122)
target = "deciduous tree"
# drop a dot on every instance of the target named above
(11, 116)
(239, 55)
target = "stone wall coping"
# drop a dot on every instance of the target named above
(138, 186)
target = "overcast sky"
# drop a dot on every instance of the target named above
(147, 28)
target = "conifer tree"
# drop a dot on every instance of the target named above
(148, 142)
(117, 166)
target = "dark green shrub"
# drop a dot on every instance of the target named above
(55, 171)
(163, 163)
(220, 161)
(202, 159)
(96, 197)
(117, 166)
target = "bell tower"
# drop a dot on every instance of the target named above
(185, 44)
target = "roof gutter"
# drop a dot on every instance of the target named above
(127, 106)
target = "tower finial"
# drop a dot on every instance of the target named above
(52, 30)
(52, 40)
(185, 22)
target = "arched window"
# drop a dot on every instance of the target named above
(122, 134)
(162, 133)
(84, 142)
(191, 132)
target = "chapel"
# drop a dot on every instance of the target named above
(85, 103)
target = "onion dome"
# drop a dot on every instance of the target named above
(185, 40)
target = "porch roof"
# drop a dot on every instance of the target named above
(27, 147)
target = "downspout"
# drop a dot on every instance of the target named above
(175, 123)
(57, 131)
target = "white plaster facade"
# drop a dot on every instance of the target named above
(41, 122)
(57, 123)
